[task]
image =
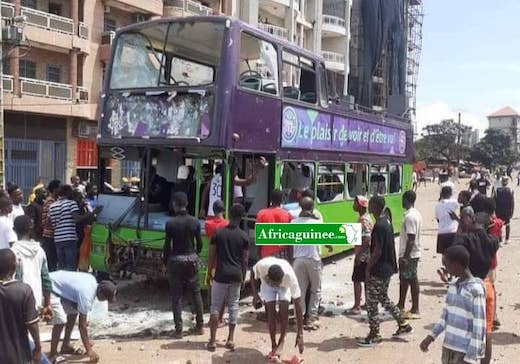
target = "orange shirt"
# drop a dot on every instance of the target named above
(272, 215)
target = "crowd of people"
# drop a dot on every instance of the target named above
(39, 275)
(39, 279)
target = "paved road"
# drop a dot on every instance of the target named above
(335, 342)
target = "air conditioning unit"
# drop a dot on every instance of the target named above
(85, 130)
(106, 9)
(140, 18)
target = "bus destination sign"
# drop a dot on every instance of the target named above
(305, 128)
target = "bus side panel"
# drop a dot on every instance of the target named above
(156, 242)
(407, 177)
(337, 212)
(394, 204)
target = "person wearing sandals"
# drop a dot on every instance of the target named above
(307, 266)
(409, 255)
(228, 254)
(381, 266)
(278, 285)
(362, 253)
(74, 293)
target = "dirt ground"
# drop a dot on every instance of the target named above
(335, 342)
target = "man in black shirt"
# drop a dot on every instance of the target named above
(228, 253)
(182, 261)
(380, 268)
(17, 316)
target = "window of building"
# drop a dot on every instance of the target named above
(54, 73)
(29, 4)
(395, 178)
(357, 179)
(295, 177)
(378, 178)
(299, 78)
(109, 25)
(258, 66)
(324, 96)
(331, 182)
(6, 66)
(55, 8)
(27, 69)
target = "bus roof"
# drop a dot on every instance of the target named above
(234, 22)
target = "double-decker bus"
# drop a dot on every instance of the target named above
(186, 99)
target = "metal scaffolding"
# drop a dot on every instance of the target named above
(415, 16)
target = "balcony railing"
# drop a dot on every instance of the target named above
(34, 87)
(192, 7)
(7, 83)
(333, 57)
(107, 37)
(7, 10)
(83, 30)
(275, 30)
(48, 21)
(334, 20)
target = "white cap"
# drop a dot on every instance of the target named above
(183, 172)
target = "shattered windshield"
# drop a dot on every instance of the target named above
(174, 54)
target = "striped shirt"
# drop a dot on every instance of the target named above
(464, 319)
(62, 220)
(48, 230)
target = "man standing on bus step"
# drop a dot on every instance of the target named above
(228, 254)
(409, 255)
(380, 268)
(278, 285)
(180, 258)
(505, 204)
(271, 215)
(362, 252)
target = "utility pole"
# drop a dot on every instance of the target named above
(459, 139)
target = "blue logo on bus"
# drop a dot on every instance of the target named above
(290, 125)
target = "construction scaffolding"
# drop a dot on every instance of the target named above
(415, 16)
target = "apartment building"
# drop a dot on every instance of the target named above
(507, 119)
(52, 85)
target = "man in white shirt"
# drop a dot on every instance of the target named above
(308, 266)
(7, 234)
(409, 254)
(278, 285)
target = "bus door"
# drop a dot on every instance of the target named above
(251, 184)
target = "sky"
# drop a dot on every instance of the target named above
(470, 61)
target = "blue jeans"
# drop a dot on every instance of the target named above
(43, 359)
(67, 252)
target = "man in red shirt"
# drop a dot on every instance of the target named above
(274, 214)
(212, 224)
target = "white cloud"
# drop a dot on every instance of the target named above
(434, 112)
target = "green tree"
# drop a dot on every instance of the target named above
(495, 149)
(441, 141)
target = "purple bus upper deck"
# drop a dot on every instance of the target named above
(178, 83)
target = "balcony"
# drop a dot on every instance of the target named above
(106, 45)
(153, 7)
(273, 7)
(182, 8)
(48, 21)
(334, 61)
(52, 90)
(7, 83)
(333, 26)
(277, 31)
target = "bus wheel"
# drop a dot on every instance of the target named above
(388, 215)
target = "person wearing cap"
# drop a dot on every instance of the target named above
(505, 204)
(362, 252)
(74, 293)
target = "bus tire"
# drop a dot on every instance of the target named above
(388, 215)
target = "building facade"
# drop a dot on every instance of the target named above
(52, 84)
(507, 119)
